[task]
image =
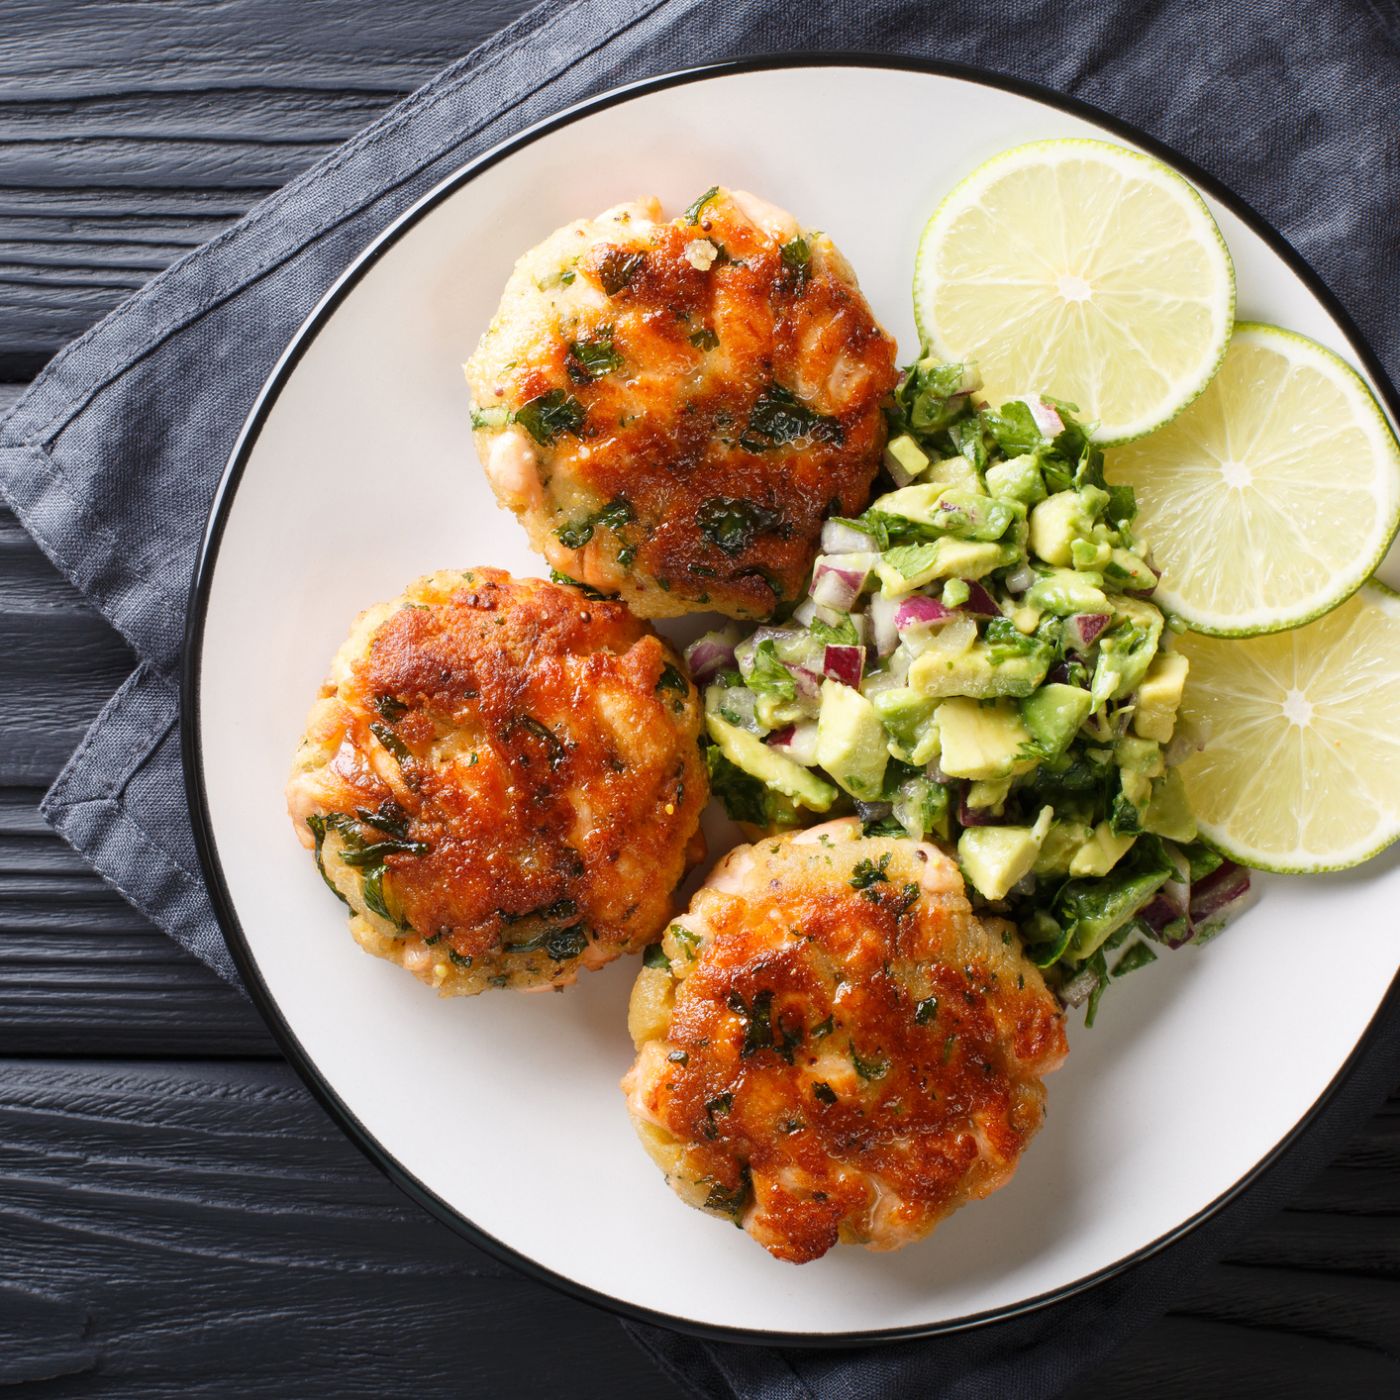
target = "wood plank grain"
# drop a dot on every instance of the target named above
(1199, 1357)
(204, 1231)
(124, 142)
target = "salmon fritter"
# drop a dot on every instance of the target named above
(502, 781)
(830, 1047)
(671, 407)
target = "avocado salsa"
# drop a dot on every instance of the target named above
(978, 662)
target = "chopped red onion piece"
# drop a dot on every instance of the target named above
(882, 623)
(918, 611)
(837, 587)
(1020, 579)
(1079, 987)
(979, 601)
(845, 664)
(1047, 419)
(798, 742)
(1223, 886)
(809, 684)
(1083, 629)
(1161, 911)
(804, 612)
(706, 656)
(844, 539)
(773, 634)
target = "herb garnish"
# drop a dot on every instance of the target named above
(390, 740)
(547, 415)
(797, 260)
(731, 524)
(594, 357)
(779, 418)
(672, 679)
(869, 1069)
(548, 736)
(613, 516)
(586, 589)
(867, 872)
(692, 213)
(617, 268)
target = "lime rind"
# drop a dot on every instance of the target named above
(962, 196)
(1365, 559)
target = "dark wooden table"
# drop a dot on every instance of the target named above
(177, 1217)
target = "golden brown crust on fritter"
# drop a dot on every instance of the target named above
(503, 781)
(673, 407)
(839, 1050)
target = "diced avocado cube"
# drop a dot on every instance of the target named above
(1094, 500)
(918, 502)
(1017, 479)
(851, 742)
(1125, 570)
(981, 672)
(983, 739)
(1168, 811)
(908, 718)
(1061, 842)
(1142, 756)
(774, 712)
(1159, 696)
(995, 858)
(1101, 852)
(988, 794)
(773, 769)
(972, 516)
(1064, 592)
(1136, 788)
(905, 456)
(1090, 554)
(1099, 908)
(1056, 523)
(921, 807)
(1053, 715)
(1025, 618)
(953, 471)
(906, 567)
(1126, 649)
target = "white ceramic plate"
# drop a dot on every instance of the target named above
(357, 473)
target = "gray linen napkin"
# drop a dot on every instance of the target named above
(111, 459)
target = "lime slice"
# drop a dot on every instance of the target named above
(1300, 769)
(1273, 496)
(1082, 270)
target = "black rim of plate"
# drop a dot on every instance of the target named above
(201, 588)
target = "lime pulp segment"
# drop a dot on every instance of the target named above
(1274, 495)
(1083, 270)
